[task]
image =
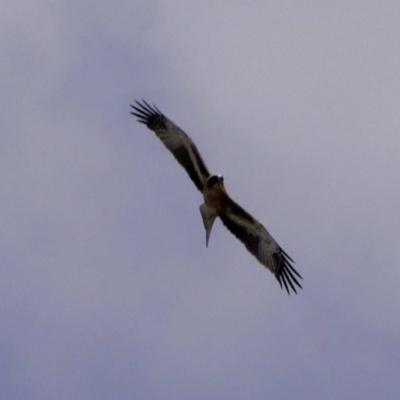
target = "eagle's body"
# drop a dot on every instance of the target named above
(217, 202)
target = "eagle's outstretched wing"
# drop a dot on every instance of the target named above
(260, 243)
(175, 140)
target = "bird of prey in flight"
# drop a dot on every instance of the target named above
(217, 202)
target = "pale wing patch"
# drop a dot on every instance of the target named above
(175, 140)
(172, 136)
(257, 239)
(260, 243)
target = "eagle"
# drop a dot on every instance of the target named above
(217, 202)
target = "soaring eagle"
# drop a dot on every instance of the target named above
(217, 202)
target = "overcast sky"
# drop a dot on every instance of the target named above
(107, 289)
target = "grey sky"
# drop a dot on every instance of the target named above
(107, 288)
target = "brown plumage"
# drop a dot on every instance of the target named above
(217, 202)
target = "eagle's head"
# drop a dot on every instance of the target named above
(215, 181)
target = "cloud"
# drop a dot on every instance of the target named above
(107, 288)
